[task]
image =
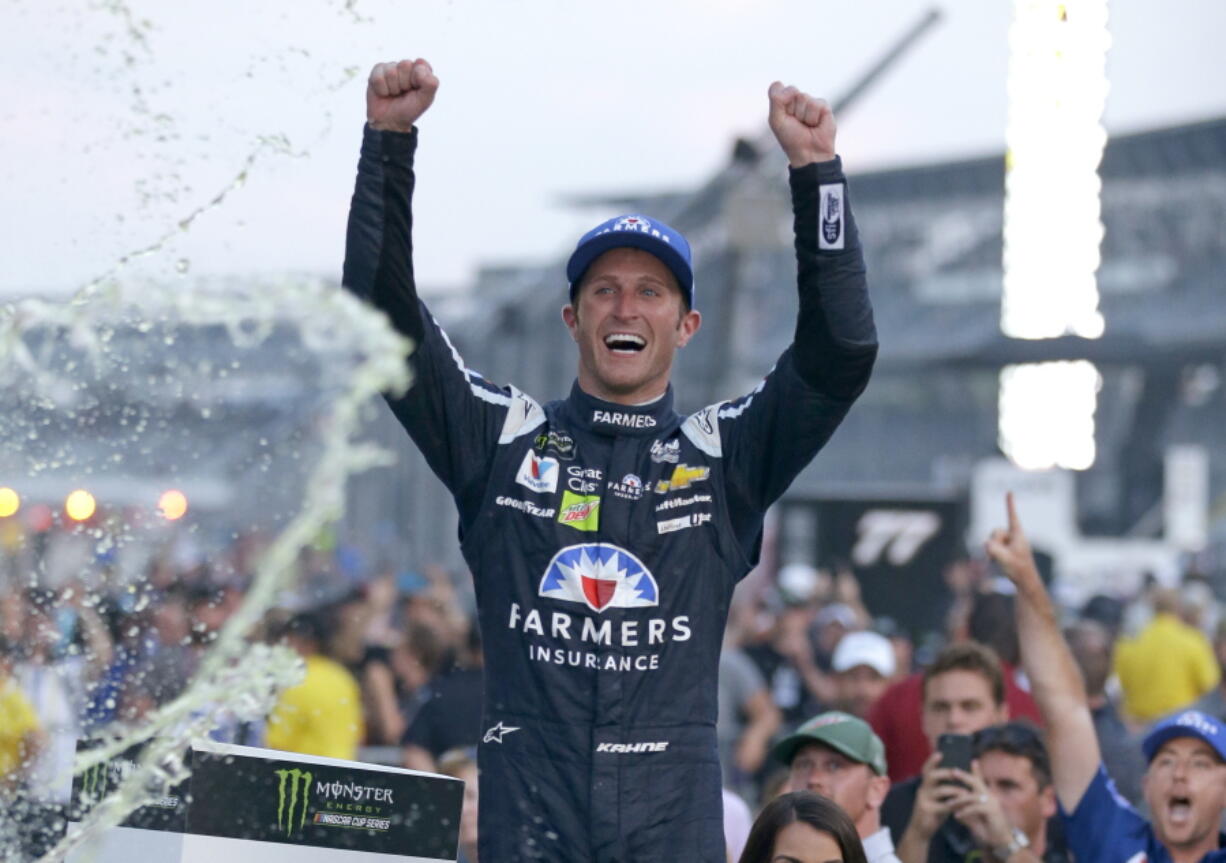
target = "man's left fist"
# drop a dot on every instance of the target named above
(804, 126)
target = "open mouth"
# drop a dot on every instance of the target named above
(1179, 809)
(624, 343)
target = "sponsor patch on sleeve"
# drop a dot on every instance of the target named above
(830, 227)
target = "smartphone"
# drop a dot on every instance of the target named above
(955, 751)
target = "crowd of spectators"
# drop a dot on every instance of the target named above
(816, 693)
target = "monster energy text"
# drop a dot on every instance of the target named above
(356, 793)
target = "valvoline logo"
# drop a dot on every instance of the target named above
(600, 576)
(538, 473)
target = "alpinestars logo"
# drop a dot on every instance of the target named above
(599, 576)
(293, 798)
(495, 734)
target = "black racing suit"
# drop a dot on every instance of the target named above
(605, 541)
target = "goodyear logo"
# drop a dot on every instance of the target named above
(580, 511)
(293, 798)
(683, 477)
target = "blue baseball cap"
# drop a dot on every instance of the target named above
(1189, 723)
(636, 232)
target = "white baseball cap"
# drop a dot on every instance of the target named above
(864, 648)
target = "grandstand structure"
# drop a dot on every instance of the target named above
(932, 235)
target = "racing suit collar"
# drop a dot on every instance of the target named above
(610, 418)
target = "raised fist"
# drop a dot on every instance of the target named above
(398, 93)
(804, 126)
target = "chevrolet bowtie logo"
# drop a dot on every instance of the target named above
(494, 735)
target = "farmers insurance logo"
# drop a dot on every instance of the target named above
(293, 798)
(539, 473)
(599, 576)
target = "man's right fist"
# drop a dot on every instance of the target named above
(398, 93)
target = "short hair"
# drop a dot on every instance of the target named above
(305, 625)
(1020, 739)
(969, 656)
(428, 646)
(818, 812)
(992, 622)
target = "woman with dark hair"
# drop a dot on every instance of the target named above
(803, 827)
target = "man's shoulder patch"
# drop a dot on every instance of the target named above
(702, 428)
(524, 414)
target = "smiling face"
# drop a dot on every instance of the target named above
(628, 319)
(1185, 788)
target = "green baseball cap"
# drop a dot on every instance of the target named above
(843, 733)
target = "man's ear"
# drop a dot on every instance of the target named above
(571, 318)
(687, 327)
(878, 788)
(1047, 801)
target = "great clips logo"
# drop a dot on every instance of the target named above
(599, 576)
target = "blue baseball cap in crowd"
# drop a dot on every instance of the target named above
(637, 232)
(1189, 723)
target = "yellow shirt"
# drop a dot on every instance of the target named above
(17, 721)
(320, 716)
(1167, 666)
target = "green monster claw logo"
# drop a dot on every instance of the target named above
(285, 814)
(94, 781)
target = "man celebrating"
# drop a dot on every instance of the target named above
(1185, 782)
(606, 533)
(838, 756)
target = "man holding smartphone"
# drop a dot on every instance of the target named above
(947, 814)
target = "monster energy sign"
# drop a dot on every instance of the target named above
(299, 785)
(99, 780)
(265, 798)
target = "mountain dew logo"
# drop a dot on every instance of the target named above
(289, 796)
